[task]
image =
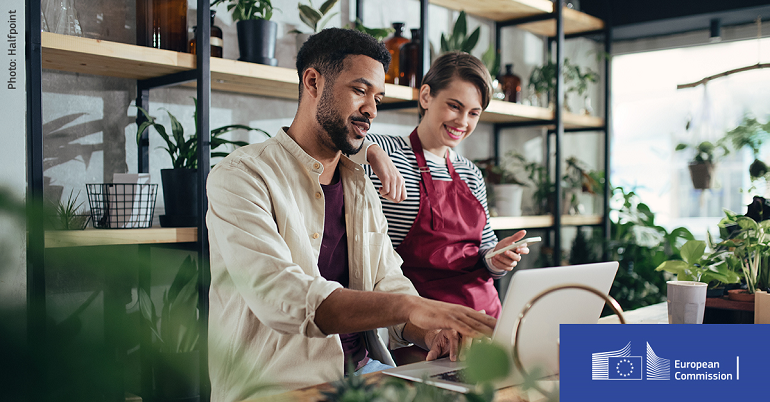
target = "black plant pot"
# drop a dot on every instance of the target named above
(700, 173)
(180, 195)
(256, 41)
(176, 377)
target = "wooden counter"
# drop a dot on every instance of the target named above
(655, 314)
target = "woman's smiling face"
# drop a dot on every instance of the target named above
(450, 116)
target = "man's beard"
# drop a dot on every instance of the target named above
(337, 132)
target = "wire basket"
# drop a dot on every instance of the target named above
(122, 206)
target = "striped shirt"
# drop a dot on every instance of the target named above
(401, 216)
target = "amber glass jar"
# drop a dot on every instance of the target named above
(215, 39)
(410, 62)
(394, 44)
(511, 85)
(169, 23)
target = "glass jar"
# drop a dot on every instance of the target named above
(215, 40)
(410, 62)
(394, 44)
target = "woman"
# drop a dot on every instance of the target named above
(442, 230)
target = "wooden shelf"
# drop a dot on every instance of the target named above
(111, 59)
(90, 56)
(541, 221)
(103, 237)
(505, 10)
(509, 112)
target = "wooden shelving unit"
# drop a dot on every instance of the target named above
(505, 10)
(90, 56)
(112, 59)
(541, 221)
(103, 237)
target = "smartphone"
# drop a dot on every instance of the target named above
(519, 243)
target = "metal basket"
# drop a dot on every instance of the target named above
(122, 206)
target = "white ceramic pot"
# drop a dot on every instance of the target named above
(508, 199)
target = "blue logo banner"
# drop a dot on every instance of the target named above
(641, 362)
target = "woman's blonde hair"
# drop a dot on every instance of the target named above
(463, 66)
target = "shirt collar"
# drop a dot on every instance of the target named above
(308, 161)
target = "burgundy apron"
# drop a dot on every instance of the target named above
(441, 250)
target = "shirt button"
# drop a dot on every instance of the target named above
(316, 235)
(318, 195)
(358, 274)
(356, 237)
(316, 165)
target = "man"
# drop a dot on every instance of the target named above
(303, 271)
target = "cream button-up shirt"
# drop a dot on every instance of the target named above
(266, 224)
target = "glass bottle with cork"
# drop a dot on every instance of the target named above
(394, 44)
(215, 40)
(511, 85)
(410, 62)
(162, 24)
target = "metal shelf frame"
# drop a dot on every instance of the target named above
(36, 287)
(558, 122)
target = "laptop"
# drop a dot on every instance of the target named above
(539, 338)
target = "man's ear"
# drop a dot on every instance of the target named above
(311, 82)
(425, 96)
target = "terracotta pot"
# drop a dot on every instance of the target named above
(740, 295)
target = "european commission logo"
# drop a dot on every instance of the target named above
(640, 363)
(620, 365)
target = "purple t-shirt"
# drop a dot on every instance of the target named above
(333, 261)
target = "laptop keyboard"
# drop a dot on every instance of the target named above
(458, 375)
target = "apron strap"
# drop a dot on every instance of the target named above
(437, 221)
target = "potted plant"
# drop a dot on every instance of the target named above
(315, 18)
(749, 242)
(699, 266)
(703, 162)
(176, 359)
(180, 183)
(256, 33)
(542, 81)
(507, 190)
(751, 133)
(67, 215)
(579, 179)
(458, 40)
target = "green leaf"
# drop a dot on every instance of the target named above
(444, 45)
(692, 251)
(720, 272)
(471, 41)
(146, 306)
(460, 26)
(487, 361)
(325, 7)
(309, 16)
(676, 267)
(746, 223)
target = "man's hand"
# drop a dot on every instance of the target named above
(442, 342)
(438, 327)
(393, 184)
(508, 260)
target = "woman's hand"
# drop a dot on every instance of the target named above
(508, 260)
(393, 184)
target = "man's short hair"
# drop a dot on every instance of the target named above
(326, 52)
